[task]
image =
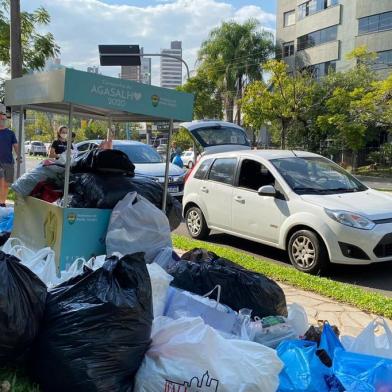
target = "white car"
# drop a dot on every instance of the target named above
(296, 201)
(35, 148)
(188, 159)
(148, 163)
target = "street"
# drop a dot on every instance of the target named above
(376, 277)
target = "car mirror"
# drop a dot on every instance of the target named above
(267, 190)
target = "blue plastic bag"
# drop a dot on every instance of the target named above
(363, 373)
(329, 341)
(6, 220)
(303, 370)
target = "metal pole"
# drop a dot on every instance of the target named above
(20, 141)
(15, 38)
(166, 186)
(149, 55)
(68, 157)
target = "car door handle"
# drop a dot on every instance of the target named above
(204, 189)
(239, 199)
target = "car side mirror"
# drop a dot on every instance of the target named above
(267, 190)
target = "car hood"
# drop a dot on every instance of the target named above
(157, 169)
(371, 204)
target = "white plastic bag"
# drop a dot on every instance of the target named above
(160, 282)
(368, 343)
(96, 262)
(165, 258)
(188, 355)
(298, 319)
(136, 225)
(75, 269)
(10, 244)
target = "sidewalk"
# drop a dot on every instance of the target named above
(349, 320)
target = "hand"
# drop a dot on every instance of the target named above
(19, 159)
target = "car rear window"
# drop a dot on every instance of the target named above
(203, 169)
(223, 170)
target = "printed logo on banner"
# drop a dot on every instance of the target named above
(71, 218)
(206, 384)
(154, 100)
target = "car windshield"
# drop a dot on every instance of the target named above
(214, 136)
(316, 175)
(37, 144)
(140, 153)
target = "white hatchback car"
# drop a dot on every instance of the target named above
(296, 201)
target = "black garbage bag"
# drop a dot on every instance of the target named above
(95, 333)
(98, 160)
(199, 271)
(91, 190)
(22, 305)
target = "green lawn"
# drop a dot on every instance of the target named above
(367, 301)
(380, 172)
(17, 381)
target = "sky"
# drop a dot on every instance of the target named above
(80, 25)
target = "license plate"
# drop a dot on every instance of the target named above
(173, 189)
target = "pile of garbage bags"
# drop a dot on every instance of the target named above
(99, 179)
(143, 319)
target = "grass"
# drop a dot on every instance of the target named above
(17, 382)
(11, 195)
(385, 172)
(364, 300)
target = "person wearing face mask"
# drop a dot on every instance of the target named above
(60, 144)
(7, 143)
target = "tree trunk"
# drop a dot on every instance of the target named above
(283, 135)
(239, 96)
(16, 39)
(355, 161)
(229, 108)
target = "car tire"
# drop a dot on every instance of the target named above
(308, 253)
(196, 223)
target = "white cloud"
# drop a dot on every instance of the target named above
(80, 25)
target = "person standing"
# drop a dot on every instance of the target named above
(60, 144)
(8, 143)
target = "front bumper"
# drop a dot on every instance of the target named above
(376, 243)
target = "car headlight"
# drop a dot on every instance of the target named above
(350, 219)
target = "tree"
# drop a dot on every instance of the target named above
(208, 102)
(37, 47)
(96, 130)
(344, 117)
(183, 139)
(285, 102)
(232, 55)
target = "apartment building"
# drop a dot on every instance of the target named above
(171, 69)
(319, 33)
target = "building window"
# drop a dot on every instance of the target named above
(288, 49)
(289, 18)
(384, 60)
(317, 38)
(320, 70)
(375, 23)
(313, 6)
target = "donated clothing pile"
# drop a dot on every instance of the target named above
(143, 319)
(99, 179)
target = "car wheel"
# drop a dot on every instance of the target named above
(307, 252)
(196, 223)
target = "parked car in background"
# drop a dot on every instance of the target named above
(296, 201)
(148, 163)
(188, 158)
(35, 148)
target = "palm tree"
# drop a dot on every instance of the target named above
(233, 55)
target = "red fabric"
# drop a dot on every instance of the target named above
(46, 191)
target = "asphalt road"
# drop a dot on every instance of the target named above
(376, 277)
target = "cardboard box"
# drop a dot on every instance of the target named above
(70, 232)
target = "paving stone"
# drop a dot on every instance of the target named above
(361, 318)
(330, 307)
(348, 321)
(331, 317)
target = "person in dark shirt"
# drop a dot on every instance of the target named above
(60, 144)
(7, 143)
